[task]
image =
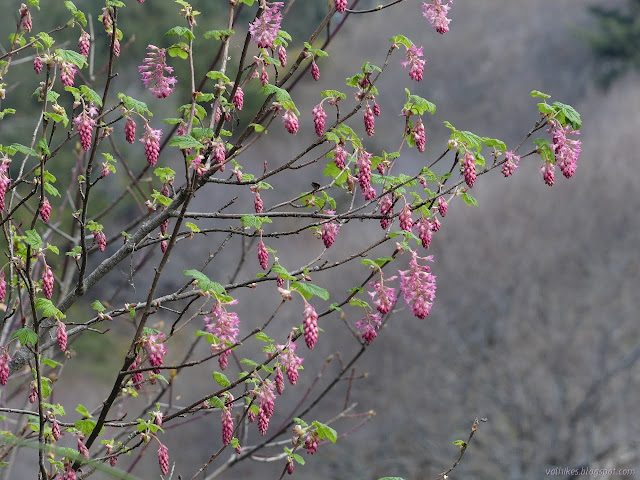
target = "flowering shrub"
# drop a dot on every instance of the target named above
(58, 255)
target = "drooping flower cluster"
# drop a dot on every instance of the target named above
(415, 63)
(341, 5)
(565, 150)
(364, 174)
(425, 231)
(291, 361)
(82, 449)
(290, 120)
(319, 117)
(37, 64)
(436, 13)
(443, 206)
(45, 210)
(67, 73)
(386, 208)
(224, 325)
(61, 336)
(263, 255)
(310, 325)
(154, 345)
(369, 121)
(227, 420)
(315, 71)
(469, 168)
(130, 130)
(163, 458)
(153, 72)
(282, 56)
(84, 124)
(25, 18)
(266, 396)
(419, 135)
(84, 44)
(264, 29)
(47, 282)
(4, 365)
(5, 180)
(406, 222)
(330, 230)
(151, 140)
(369, 326)
(340, 156)
(511, 164)
(238, 99)
(101, 240)
(418, 286)
(258, 204)
(548, 173)
(311, 443)
(219, 152)
(3, 287)
(383, 297)
(136, 378)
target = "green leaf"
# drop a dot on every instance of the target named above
(298, 458)
(194, 228)
(77, 14)
(33, 239)
(134, 105)
(47, 39)
(418, 105)
(218, 34)
(57, 118)
(204, 283)
(378, 262)
(221, 379)
(308, 290)
(570, 115)
(43, 147)
(264, 337)
(26, 336)
(401, 40)
(161, 199)
(165, 174)
(49, 309)
(215, 75)
(7, 111)
(216, 402)
(179, 50)
(46, 387)
(53, 248)
(249, 363)
(73, 57)
(333, 94)
(210, 337)
(184, 142)
(86, 426)
(97, 306)
(493, 142)
(82, 410)
(90, 95)
(325, 431)
(51, 363)
(536, 93)
(182, 32)
(16, 147)
(331, 170)
(356, 302)
(391, 478)
(469, 200)
(252, 221)
(462, 443)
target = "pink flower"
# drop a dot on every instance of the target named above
(238, 99)
(130, 130)
(414, 62)
(386, 208)
(153, 72)
(151, 140)
(291, 361)
(37, 64)
(511, 164)
(282, 56)
(101, 240)
(163, 459)
(224, 325)
(364, 174)
(425, 231)
(310, 325)
(84, 44)
(406, 223)
(264, 29)
(548, 173)
(137, 378)
(263, 255)
(340, 156)
(469, 168)
(418, 286)
(55, 430)
(82, 449)
(290, 121)
(266, 396)
(369, 121)
(311, 443)
(419, 135)
(47, 282)
(330, 230)
(67, 73)
(341, 5)
(227, 421)
(45, 210)
(368, 327)
(5, 180)
(443, 206)
(315, 71)
(61, 336)
(85, 124)
(279, 380)
(25, 18)
(155, 347)
(376, 109)
(319, 117)
(566, 150)
(4, 366)
(436, 13)
(3, 287)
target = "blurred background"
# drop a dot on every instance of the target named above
(535, 325)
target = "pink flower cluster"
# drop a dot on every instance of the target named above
(61, 336)
(415, 63)
(419, 135)
(386, 208)
(45, 210)
(369, 121)
(264, 29)
(341, 5)
(67, 73)
(3, 287)
(47, 282)
(238, 99)
(436, 13)
(425, 231)
(319, 117)
(227, 421)
(330, 230)
(310, 325)
(5, 180)
(85, 124)
(315, 71)
(224, 325)
(364, 174)
(130, 130)
(163, 459)
(101, 240)
(418, 286)
(368, 326)
(84, 42)
(566, 150)
(290, 120)
(263, 255)
(469, 168)
(151, 140)
(443, 206)
(510, 165)
(340, 156)
(291, 361)
(4, 365)
(266, 396)
(406, 222)
(155, 347)
(153, 72)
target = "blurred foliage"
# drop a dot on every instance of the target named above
(616, 42)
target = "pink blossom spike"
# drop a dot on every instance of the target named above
(469, 168)
(151, 140)
(315, 71)
(330, 230)
(418, 286)
(45, 210)
(47, 282)
(436, 12)
(84, 42)
(264, 29)
(415, 63)
(4, 365)
(154, 70)
(319, 117)
(310, 325)
(290, 120)
(341, 5)
(61, 336)
(369, 121)
(67, 73)
(163, 459)
(130, 129)
(263, 255)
